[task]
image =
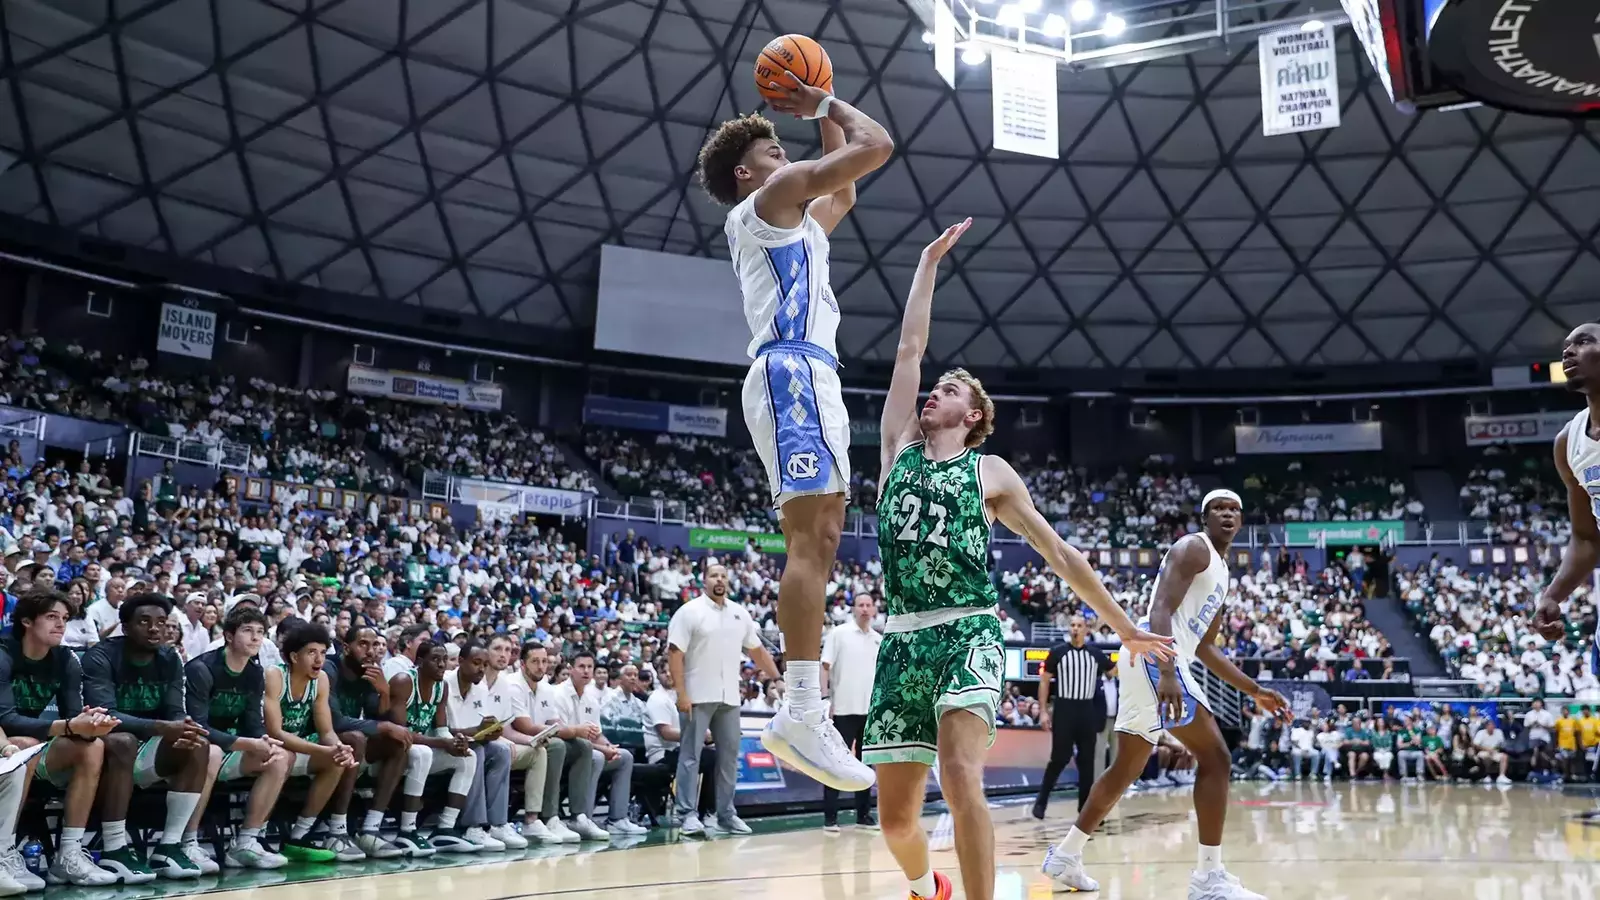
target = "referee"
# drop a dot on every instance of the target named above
(1077, 708)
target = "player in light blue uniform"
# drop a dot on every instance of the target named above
(778, 227)
(1187, 602)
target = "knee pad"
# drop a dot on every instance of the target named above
(419, 760)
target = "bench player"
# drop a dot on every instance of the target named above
(942, 659)
(778, 233)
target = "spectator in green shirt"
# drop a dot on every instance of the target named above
(1358, 747)
(1433, 748)
(1409, 743)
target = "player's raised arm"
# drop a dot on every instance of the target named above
(867, 146)
(1582, 553)
(899, 424)
(829, 211)
(1012, 505)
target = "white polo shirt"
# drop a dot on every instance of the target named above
(504, 696)
(851, 656)
(713, 639)
(464, 710)
(571, 709)
(660, 709)
(100, 614)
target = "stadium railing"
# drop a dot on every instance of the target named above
(223, 455)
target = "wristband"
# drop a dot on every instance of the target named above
(822, 108)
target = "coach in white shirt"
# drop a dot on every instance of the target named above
(468, 710)
(509, 703)
(707, 639)
(535, 699)
(578, 703)
(849, 665)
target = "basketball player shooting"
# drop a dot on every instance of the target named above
(778, 233)
(942, 661)
(1188, 603)
(1578, 461)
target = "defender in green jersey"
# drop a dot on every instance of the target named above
(942, 660)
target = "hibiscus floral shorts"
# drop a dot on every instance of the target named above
(926, 673)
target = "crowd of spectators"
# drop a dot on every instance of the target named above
(1482, 627)
(1515, 498)
(490, 445)
(705, 481)
(1416, 742)
(1330, 494)
(1151, 507)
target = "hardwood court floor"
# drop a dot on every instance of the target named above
(1290, 842)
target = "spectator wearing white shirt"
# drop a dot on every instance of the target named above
(707, 638)
(1303, 747)
(196, 636)
(404, 660)
(102, 614)
(578, 703)
(470, 711)
(1489, 742)
(849, 666)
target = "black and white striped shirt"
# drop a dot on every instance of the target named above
(1076, 671)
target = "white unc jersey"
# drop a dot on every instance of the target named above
(783, 274)
(1583, 456)
(1208, 594)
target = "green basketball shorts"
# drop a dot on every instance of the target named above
(925, 673)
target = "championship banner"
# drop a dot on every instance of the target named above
(1531, 428)
(1343, 534)
(422, 388)
(1299, 81)
(646, 415)
(1296, 439)
(734, 541)
(187, 329)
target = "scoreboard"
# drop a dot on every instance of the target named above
(1025, 663)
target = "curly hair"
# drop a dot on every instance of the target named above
(980, 401)
(723, 150)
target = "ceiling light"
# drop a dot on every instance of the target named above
(1011, 16)
(1313, 25)
(927, 37)
(1029, 6)
(1054, 26)
(974, 56)
(1083, 10)
(1114, 26)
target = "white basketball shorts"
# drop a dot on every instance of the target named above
(1139, 713)
(794, 408)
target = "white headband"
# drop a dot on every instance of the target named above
(1220, 494)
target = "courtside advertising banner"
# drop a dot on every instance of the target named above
(1299, 81)
(1531, 428)
(187, 329)
(422, 388)
(1356, 437)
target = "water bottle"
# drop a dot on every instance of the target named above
(33, 857)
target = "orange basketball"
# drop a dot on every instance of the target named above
(794, 53)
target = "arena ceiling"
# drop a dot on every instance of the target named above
(472, 156)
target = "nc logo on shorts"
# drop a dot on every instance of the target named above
(802, 465)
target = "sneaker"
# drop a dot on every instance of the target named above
(810, 744)
(868, 823)
(198, 855)
(306, 850)
(452, 840)
(625, 828)
(127, 865)
(10, 887)
(561, 832)
(1219, 885)
(414, 845)
(375, 847)
(169, 861)
(509, 837)
(343, 848)
(734, 825)
(12, 867)
(1502, 781)
(479, 837)
(942, 889)
(1066, 872)
(248, 853)
(538, 831)
(71, 867)
(588, 830)
(831, 828)
(692, 826)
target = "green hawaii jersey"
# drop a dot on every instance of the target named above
(933, 534)
(420, 715)
(297, 710)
